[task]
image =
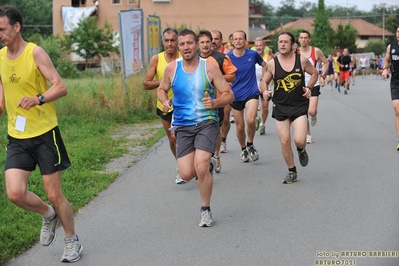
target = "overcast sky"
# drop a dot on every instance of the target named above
(364, 5)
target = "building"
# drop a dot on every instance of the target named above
(205, 14)
(365, 31)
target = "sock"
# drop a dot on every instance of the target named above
(261, 124)
(74, 237)
(50, 214)
(249, 144)
(299, 149)
(216, 157)
(203, 208)
(243, 149)
(224, 140)
(293, 169)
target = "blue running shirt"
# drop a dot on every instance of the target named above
(188, 90)
(245, 85)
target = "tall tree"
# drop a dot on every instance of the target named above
(322, 29)
(345, 37)
(88, 40)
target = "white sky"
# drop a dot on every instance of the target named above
(364, 5)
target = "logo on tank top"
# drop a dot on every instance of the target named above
(14, 78)
(290, 82)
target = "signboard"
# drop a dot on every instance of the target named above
(131, 35)
(153, 34)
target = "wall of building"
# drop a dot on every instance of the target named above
(204, 14)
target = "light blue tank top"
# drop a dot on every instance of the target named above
(188, 90)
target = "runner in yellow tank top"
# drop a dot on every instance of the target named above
(153, 77)
(33, 134)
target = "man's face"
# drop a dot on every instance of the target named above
(170, 42)
(188, 46)
(397, 34)
(205, 45)
(216, 40)
(284, 44)
(7, 32)
(260, 47)
(239, 40)
(304, 39)
(345, 52)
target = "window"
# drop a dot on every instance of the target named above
(364, 38)
(161, 1)
(78, 3)
(133, 2)
(116, 2)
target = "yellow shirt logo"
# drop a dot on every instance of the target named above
(290, 82)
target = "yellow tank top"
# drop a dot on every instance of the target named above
(20, 78)
(160, 71)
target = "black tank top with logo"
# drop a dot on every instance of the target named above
(394, 62)
(288, 86)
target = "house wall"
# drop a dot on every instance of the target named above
(204, 14)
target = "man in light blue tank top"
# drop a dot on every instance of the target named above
(194, 83)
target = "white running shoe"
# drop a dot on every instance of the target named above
(223, 147)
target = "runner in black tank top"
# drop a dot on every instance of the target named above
(391, 65)
(290, 99)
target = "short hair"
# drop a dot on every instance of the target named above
(289, 34)
(169, 30)
(220, 34)
(186, 32)
(206, 33)
(12, 13)
(245, 35)
(305, 31)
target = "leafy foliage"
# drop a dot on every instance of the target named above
(377, 47)
(90, 41)
(322, 29)
(345, 37)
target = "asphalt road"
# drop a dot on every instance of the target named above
(345, 200)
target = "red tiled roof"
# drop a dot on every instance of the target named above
(363, 27)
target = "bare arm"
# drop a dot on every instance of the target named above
(387, 63)
(46, 67)
(164, 87)
(221, 85)
(311, 70)
(2, 100)
(323, 59)
(266, 79)
(149, 83)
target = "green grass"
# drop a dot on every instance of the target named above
(93, 109)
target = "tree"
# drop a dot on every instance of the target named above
(37, 16)
(88, 40)
(322, 29)
(377, 47)
(345, 37)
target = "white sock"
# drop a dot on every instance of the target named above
(261, 124)
(50, 214)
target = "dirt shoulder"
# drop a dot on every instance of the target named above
(136, 136)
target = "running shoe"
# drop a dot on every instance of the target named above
(212, 165)
(244, 156)
(290, 178)
(313, 120)
(309, 139)
(218, 165)
(253, 153)
(72, 249)
(262, 130)
(345, 92)
(397, 148)
(232, 119)
(303, 157)
(206, 219)
(223, 147)
(179, 180)
(257, 121)
(47, 233)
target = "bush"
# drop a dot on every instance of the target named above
(377, 47)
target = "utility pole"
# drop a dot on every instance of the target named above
(383, 22)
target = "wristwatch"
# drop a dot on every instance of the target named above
(42, 99)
